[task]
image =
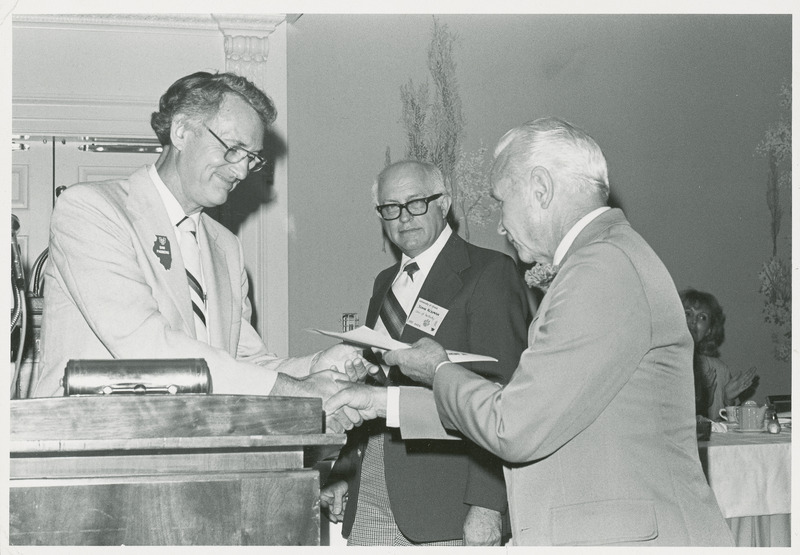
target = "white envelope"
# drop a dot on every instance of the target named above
(368, 337)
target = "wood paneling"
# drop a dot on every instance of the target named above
(166, 470)
(267, 508)
(179, 416)
(148, 463)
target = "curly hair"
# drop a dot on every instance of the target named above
(199, 96)
(709, 345)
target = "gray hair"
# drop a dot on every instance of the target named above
(566, 151)
(432, 175)
(199, 96)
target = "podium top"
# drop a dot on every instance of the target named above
(100, 423)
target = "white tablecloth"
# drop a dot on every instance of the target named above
(750, 474)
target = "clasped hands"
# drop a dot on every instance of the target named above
(348, 403)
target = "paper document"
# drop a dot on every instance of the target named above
(368, 337)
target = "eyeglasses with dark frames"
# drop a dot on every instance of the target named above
(415, 207)
(235, 154)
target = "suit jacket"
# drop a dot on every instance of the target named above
(597, 423)
(431, 484)
(108, 295)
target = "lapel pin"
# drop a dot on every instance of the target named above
(162, 251)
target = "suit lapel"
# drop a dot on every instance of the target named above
(441, 285)
(382, 284)
(215, 275)
(149, 219)
(586, 236)
(443, 281)
(595, 228)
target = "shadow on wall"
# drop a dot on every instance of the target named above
(249, 195)
(255, 190)
(614, 202)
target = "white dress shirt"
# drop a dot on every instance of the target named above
(425, 261)
(569, 238)
(176, 215)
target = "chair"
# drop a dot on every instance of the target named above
(782, 403)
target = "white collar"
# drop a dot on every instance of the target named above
(174, 210)
(426, 259)
(569, 238)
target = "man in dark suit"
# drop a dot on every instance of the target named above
(397, 492)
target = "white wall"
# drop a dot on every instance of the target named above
(103, 74)
(678, 103)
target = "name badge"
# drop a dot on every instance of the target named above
(426, 316)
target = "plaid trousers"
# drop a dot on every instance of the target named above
(374, 522)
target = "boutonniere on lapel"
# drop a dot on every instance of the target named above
(162, 251)
(541, 275)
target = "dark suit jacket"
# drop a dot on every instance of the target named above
(432, 483)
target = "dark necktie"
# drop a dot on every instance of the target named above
(392, 313)
(394, 317)
(373, 473)
(190, 252)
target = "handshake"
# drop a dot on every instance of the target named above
(348, 402)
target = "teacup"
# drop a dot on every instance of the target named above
(732, 415)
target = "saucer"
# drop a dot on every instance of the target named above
(737, 430)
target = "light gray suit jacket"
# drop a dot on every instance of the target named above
(597, 423)
(108, 295)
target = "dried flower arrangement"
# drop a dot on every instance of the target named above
(434, 131)
(776, 273)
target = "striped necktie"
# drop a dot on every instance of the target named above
(393, 317)
(373, 474)
(392, 313)
(194, 274)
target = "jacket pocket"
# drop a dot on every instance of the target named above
(603, 522)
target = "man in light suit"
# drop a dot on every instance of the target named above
(116, 280)
(430, 492)
(597, 423)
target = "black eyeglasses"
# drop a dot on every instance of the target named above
(235, 154)
(415, 207)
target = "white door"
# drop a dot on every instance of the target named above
(52, 162)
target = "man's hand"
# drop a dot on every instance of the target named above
(344, 358)
(369, 401)
(482, 526)
(419, 361)
(357, 369)
(322, 384)
(333, 500)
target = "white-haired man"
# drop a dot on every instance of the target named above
(597, 422)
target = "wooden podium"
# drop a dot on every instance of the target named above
(167, 470)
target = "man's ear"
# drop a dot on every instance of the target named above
(177, 132)
(541, 183)
(445, 201)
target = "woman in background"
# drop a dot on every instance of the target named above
(715, 386)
